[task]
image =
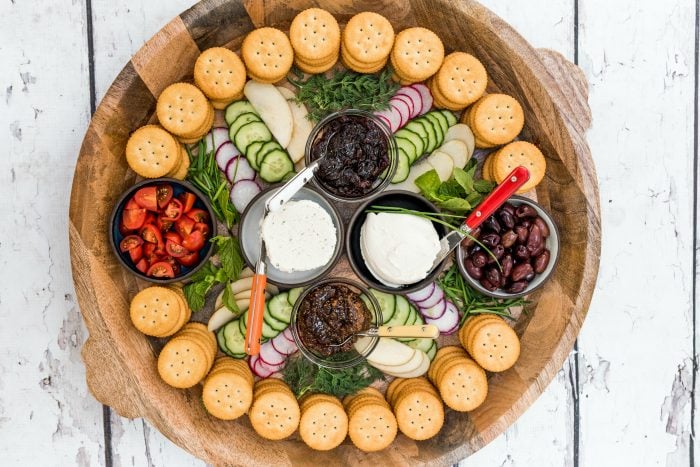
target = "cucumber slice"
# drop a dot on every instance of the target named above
(419, 317)
(280, 309)
(243, 323)
(410, 321)
(237, 108)
(221, 340)
(424, 344)
(408, 147)
(273, 322)
(235, 341)
(439, 134)
(253, 150)
(414, 138)
(267, 330)
(293, 295)
(250, 133)
(275, 166)
(433, 350)
(269, 146)
(450, 116)
(387, 303)
(403, 168)
(442, 120)
(240, 121)
(402, 312)
(431, 142)
(416, 127)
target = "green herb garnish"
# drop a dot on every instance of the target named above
(459, 194)
(211, 275)
(344, 90)
(304, 377)
(205, 175)
(470, 301)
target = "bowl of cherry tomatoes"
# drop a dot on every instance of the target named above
(160, 230)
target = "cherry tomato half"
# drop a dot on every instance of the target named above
(173, 210)
(164, 224)
(149, 249)
(124, 230)
(198, 215)
(175, 249)
(130, 242)
(136, 254)
(151, 234)
(189, 260)
(164, 193)
(142, 265)
(161, 269)
(172, 262)
(134, 218)
(194, 241)
(131, 204)
(173, 237)
(187, 200)
(202, 227)
(184, 226)
(147, 198)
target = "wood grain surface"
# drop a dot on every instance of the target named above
(121, 362)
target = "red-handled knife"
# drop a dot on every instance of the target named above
(488, 206)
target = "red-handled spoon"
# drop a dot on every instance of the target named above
(488, 206)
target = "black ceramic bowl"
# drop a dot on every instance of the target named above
(179, 186)
(396, 198)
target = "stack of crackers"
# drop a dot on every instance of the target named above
(152, 152)
(187, 358)
(367, 42)
(227, 392)
(372, 425)
(490, 342)
(159, 311)
(315, 38)
(220, 75)
(274, 413)
(417, 407)
(499, 164)
(417, 55)
(267, 54)
(185, 111)
(461, 382)
(495, 120)
(324, 424)
(459, 82)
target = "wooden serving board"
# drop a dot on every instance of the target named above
(121, 362)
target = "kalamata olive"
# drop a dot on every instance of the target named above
(508, 239)
(516, 287)
(468, 241)
(507, 266)
(525, 210)
(474, 249)
(534, 240)
(539, 250)
(541, 262)
(493, 275)
(525, 223)
(479, 259)
(492, 225)
(530, 276)
(506, 219)
(490, 240)
(508, 208)
(496, 253)
(472, 270)
(487, 285)
(544, 228)
(522, 233)
(521, 252)
(521, 271)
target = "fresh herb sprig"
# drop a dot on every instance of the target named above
(305, 377)
(470, 301)
(205, 175)
(460, 194)
(231, 264)
(343, 90)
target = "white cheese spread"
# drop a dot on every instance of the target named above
(300, 236)
(398, 249)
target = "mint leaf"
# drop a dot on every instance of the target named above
(464, 180)
(196, 292)
(456, 205)
(229, 301)
(428, 183)
(230, 256)
(484, 186)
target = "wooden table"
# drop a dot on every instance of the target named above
(625, 396)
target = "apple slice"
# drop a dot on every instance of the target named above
(302, 126)
(457, 150)
(421, 364)
(442, 163)
(463, 133)
(409, 366)
(273, 109)
(388, 352)
(417, 170)
(220, 317)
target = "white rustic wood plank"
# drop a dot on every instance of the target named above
(120, 28)
(543, 436)
(636, 344)
(46, 414)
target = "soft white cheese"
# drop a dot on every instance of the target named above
(300, 236)
(398, 249)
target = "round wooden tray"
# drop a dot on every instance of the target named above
(120, 361)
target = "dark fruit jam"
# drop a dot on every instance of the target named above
(329, 315)
(355, 152)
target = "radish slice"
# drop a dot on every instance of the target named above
(393, 117)
(384, 120)
(436, 297)
(261, 370)
(269, 355)
(422, 294)
(425, 95)
(415, 98)
(271, 368)
(287, 333)
(406, 100)
(225, 154)
(403, 109)
(448, 322)
(283, 346)
(239, 169)
(434, 312)
(220, 136)
(243, 192)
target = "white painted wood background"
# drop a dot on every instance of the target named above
(624, 398)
